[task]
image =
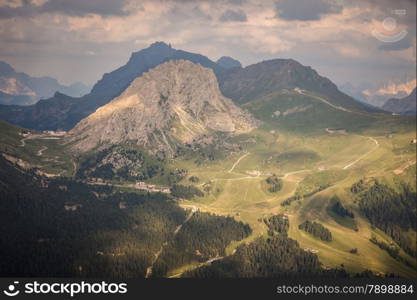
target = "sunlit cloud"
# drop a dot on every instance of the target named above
(335, 32)
(392, 88)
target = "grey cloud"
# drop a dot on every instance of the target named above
(388, 8)
(197, 12)
(83, 7)
(403, 44)
(26, 10)
(234, 2)
(72, 8)
(306, 10)
(233, 16)
(177, 14)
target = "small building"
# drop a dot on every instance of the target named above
(336, 130)
(72, 207)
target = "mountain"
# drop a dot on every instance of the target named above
(257, 80)
(228, 63)
(404, 106)
(6, 98)
(39, 116)
(47, 114)
(175, 103)
(18, 88)
(112, 84)
(239, 84)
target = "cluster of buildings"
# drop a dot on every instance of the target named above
(54, 133)
(311, 250)
(140, 185)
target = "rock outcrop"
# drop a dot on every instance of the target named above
(175, 103)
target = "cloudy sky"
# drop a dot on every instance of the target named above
(370, 44)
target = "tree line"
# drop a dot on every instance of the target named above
(186, 191)
(317, 230)
(273, 257)
(275, 184)
(66, 228)
(392, 211)
(277, 223)
(338, 208)
(203, 237)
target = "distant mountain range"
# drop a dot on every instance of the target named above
(17, 88)
(239, 84)
(404, 106)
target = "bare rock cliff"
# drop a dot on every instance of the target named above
(175, 103)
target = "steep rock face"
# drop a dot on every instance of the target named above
(406, 105)
(177, 102)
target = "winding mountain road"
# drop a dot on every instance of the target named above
(301, 92)
(237, 162)
(295, 172)
(40, 152)
(363, 156)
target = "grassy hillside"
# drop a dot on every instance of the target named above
(316, 164)
(307, 113)
(36, 149)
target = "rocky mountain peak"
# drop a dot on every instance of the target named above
(174, 103)
(228, 62)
